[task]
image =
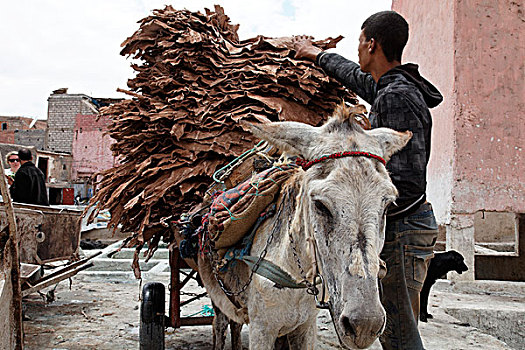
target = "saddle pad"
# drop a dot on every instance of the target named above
(236, 210)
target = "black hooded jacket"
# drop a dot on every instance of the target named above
(400, 100)
(29, 186)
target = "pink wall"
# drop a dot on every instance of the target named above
(431, 45)
(490, 75)
(473, 52)
(91, 148)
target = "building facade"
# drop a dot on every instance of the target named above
(75, 128)
(63, 109)
(22, 131)
(472, 51)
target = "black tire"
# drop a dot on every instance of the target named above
(151, 334)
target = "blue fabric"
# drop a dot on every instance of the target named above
(242, 249)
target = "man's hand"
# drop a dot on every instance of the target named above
(304, 48)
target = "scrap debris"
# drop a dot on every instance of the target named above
(195, 80)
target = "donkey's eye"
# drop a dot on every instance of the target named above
(322, 209)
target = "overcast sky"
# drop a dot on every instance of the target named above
(51, 44)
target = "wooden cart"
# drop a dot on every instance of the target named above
(46, 235)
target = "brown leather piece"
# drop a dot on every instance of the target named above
(195, 80)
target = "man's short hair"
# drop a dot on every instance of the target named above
(25, 154)
(390, 30)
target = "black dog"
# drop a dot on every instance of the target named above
(440, 265)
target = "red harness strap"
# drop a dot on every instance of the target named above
(307, 164)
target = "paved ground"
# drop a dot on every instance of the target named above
(100, 310)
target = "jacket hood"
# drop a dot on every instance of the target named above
(430, 93)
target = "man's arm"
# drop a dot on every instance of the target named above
(345, 71)
(349, 74)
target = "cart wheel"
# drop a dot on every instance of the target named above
(152, 317)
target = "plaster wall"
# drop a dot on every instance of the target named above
(490, 118)
(91, 147)
(431, 45)
(473, 51)
(58, 166)
(7, 137)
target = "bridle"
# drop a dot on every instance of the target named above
(305, 164)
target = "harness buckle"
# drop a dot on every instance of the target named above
(320, 304)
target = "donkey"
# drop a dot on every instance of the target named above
(329, 223)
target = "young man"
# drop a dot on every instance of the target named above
(30, 184)
(400, 99)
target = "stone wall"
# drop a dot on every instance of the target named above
(34, 138)
(62, 111)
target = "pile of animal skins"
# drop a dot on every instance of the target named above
(195, 80)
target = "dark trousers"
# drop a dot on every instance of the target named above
(409, 246)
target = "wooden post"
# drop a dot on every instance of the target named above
(12, 268)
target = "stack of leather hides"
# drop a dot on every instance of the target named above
(195, 80)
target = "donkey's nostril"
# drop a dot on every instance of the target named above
(347, 326)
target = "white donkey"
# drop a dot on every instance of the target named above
(329, 222)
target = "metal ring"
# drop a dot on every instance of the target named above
(40, 236)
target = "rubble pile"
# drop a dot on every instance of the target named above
(195, 81)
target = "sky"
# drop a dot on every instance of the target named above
(50, 44)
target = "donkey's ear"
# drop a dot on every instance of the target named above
(390, 140)
(291, 137)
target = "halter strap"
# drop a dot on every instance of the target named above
(307, 164)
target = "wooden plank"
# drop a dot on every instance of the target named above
(57, 278)
(29, 272)
(69, 267)
(13, 319)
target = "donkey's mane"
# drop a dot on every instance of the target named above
(344, 117)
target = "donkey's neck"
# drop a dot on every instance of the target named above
(291, 249)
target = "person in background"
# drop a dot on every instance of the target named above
(14, 164)
(400, 99)
(29, 185)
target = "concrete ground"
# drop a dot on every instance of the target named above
(99, 309)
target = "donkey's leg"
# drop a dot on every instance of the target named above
(235, 330)
(219, 327)
(262, 338)
(304, 336)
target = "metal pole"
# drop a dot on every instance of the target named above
(175, 287)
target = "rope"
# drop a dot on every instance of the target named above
(224, 171)
(307, 164)
(206, 310)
